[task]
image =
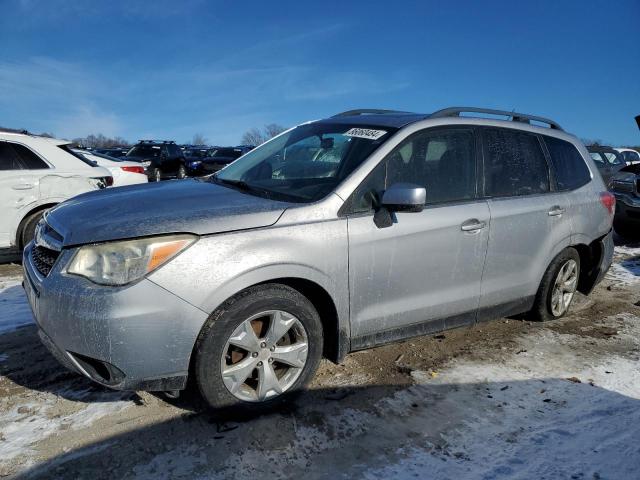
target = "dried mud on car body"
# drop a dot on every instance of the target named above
(426, 404)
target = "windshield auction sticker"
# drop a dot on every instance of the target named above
(365, 133)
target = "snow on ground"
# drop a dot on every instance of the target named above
(565, 406)
(626, 270)
(549, 414)
(14, 309)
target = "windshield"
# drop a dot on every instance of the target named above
(144, 151)
(305, 163)
(614, 158)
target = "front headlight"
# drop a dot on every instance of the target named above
(119, 263)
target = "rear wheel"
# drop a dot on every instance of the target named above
(558, 287)
(182, 172)
(258, 349)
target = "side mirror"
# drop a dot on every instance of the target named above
(404, 197)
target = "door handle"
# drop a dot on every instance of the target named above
(472, 225)
(23, 186)
(556, 211)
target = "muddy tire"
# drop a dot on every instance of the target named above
(257, 350)
(558, 287)
(29, 228)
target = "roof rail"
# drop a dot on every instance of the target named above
(365, 111)
(156, 141)
(514, 116)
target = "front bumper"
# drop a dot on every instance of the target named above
(137, 337)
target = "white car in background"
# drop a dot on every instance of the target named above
(122, 171)
(37, 173)
(631, 156)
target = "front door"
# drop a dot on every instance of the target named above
(422, 273)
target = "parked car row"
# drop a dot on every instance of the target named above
(164, 159)
(620, 170)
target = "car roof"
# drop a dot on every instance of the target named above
(396, 119)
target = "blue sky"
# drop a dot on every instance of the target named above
(169, 69)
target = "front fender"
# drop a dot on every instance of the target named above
(218, 266)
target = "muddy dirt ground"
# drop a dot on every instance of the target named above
(366, 418)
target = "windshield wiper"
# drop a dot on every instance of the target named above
(242, 185)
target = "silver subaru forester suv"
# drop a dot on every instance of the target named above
(365, 228)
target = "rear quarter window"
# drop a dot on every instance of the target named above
(569, 167)
(30, 160)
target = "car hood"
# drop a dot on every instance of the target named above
(178, 206)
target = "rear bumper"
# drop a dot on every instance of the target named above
(138, 337)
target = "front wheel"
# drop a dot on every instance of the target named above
(156, 174)
(258, 348)
(558, 287)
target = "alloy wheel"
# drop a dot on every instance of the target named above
(264, 356)
(564, 288)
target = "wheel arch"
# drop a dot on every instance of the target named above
(33, 210)
(590, 257)
(333, 315)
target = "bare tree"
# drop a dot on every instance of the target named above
(273, 129)
(100, 141)
(199, 139)
(255, 136)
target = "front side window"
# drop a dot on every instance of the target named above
(306, 163)
(8, 158)
(514, 164)
(442, 161)
(568, 165)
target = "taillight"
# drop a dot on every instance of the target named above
(608, 200)
(133, 169)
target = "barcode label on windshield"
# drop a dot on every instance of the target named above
(365, 133)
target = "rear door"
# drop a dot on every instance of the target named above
(529, 221)
(423, 272)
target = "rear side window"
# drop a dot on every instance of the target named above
(8, 158)
(514, 164)
(568, 165)
(29, 159)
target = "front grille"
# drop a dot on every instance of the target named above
(43, 259)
